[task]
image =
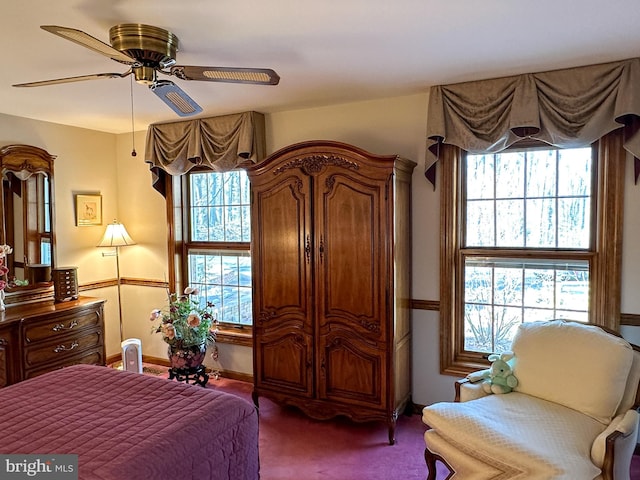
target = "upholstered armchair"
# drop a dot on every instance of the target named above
(572, 415)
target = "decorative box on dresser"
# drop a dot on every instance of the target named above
(331, 247)
(36, 338)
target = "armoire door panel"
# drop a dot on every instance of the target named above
(284, 258)
(285, 362)
(351, 371)
(283, 263)
(351, 274)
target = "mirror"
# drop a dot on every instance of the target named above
(27, 210)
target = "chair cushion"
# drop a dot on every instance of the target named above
(572, 364)
(530, 435)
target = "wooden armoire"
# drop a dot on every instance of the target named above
(331, 258)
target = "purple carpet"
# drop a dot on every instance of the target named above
(293, 446)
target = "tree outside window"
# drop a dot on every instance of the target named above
(529, 202)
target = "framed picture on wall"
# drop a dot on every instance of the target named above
(88, 210)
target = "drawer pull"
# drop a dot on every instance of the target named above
(63, 348)
(60, 326)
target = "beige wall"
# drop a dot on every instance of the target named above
(96, 162)
(84, 164)
(385, 126)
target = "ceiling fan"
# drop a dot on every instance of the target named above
(150, 51)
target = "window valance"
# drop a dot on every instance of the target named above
(564, 108)
(220, 143)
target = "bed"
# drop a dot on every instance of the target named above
(124, 425)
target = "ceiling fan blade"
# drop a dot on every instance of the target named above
(175, 97)
(87, 41)
(260, 76)
(81, 78)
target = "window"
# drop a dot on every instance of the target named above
(37, 228)
(525, 238)
(218, 225)
(44, 219)
(524, 203)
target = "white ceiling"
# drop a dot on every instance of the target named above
(325, 51)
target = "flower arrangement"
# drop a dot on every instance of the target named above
(185, 322)
(4, 251)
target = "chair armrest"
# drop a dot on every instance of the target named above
(613, 448)
(470, 387)
(479, 375)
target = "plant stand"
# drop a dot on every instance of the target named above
(191, 375)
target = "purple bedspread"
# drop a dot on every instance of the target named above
(129, 426)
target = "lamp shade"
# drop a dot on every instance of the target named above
(116, 236)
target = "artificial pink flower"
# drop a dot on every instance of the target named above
(193, 320)
(155, 314)
(169, 331)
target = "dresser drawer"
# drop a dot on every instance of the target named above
(60, 326)
(61, 349)
(92, 357)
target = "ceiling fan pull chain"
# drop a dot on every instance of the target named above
(133, 134)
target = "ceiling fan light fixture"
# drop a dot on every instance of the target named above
(144, 75)
(175, 98)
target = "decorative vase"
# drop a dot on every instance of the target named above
(187, 357)
(2, 307)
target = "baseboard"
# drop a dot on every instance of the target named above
(240, 376)
(156, 360)
(114, 359)
(243, 377)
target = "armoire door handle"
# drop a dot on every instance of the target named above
(321, 249)
(307, 249)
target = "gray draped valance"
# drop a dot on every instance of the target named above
(564, 108)
(219, 143)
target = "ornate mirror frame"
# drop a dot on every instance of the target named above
(20, 163)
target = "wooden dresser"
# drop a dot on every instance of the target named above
(39, 337)
(331, 246)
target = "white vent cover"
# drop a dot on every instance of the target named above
(132, 355)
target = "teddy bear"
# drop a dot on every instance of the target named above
(500, 377)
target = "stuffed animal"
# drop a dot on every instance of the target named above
(500, 378)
